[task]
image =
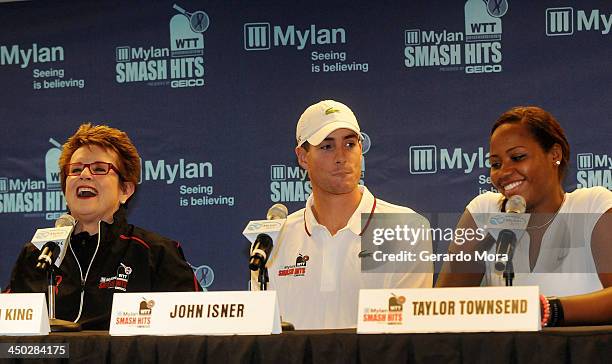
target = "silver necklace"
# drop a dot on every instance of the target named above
(551, 219)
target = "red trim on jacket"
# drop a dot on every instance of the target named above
(196, 285)
(142, 242)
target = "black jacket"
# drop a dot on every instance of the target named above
(128, 259)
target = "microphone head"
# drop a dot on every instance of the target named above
(516, 204)
(277, 211)
(65, 220)
(260, 251)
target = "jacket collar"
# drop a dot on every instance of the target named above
(110, 232)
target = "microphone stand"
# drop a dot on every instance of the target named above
(509, 273)
(263, 278)
(57, 325)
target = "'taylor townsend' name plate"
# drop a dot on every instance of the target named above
(449, 310)
(195, 313)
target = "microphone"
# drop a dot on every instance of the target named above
(260, 250)
(45, 258)
(263, 244)
(506, 240)
(505, 245)
(54, 250)
(277, 211)
(516, 204)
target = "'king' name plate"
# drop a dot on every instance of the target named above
(465, 309)
(195, 313)
(23, 314)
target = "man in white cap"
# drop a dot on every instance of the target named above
(315, 265)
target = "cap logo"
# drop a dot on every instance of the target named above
(331, 110)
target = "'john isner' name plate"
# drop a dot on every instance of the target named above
(195, 313)
(448, 310)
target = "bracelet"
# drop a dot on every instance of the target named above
(556, 311)
(545, 311)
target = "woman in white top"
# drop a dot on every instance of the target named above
(567, 246)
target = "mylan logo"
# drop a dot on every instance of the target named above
(412, 37)
(423, 159)
(559, 21)
(262, 36)
(585, 161)
(256, 36)
(123, 54)
(277, 172)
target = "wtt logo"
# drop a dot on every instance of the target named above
(483, 20)
(560, 21)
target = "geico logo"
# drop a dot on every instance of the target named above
(489, 68)
(187, 83)
(53, 215)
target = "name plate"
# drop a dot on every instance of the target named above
(195, 313)
(23, 314)
(465, 309)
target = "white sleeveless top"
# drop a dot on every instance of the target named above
(565, 264)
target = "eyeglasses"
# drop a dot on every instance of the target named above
(96, 168)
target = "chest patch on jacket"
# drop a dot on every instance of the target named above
(119, 281)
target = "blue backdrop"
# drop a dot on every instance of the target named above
(210, 93)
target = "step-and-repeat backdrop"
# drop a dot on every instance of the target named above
(210, 92)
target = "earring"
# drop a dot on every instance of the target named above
(558, 163)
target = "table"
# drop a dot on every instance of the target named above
(590, 345)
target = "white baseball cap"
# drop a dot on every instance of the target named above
(321, 119)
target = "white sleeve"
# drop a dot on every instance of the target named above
(600, 200)
(482, 205)
(485, 203)
(594, 202)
